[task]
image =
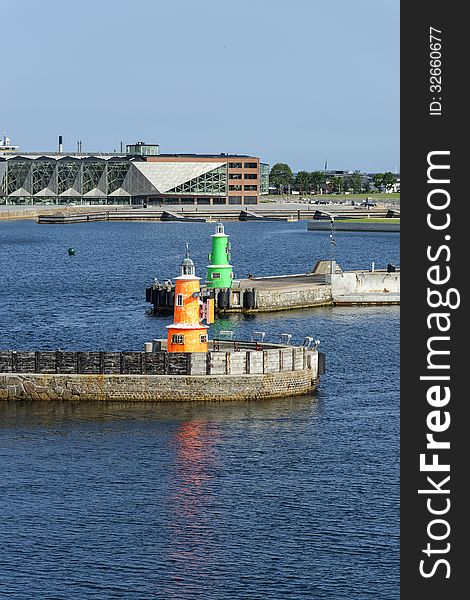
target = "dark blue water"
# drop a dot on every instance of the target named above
(292, 498)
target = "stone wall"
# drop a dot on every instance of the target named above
(158, 376)
(152, 388)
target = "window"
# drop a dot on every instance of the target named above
(251, 165)
(179, 300)
(235, 176)
(177, 338)
(234, 165)
(219, 201)
(250, 199)
(117, 171)
(251, 176)
(68, 175)
(251, 188)
(235, 188)
(42, 174)
(203, 338)
(234, 199)
(211, 183)
(215, 276)
(264, 178)
(92, 172)
(203, 200)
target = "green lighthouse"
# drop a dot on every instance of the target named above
(219, 271)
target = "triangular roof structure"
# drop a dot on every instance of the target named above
(71, 192)
(20, 192)
(45, 192)
(119, 192)
(136, 181)
(165, 176)
(95, 193)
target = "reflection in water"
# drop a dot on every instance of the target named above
(189, 503)
(20, 414)
(202, 500)
(194, 443)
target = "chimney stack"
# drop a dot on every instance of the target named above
(60, 145)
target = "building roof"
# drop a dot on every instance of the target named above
(164, 176)
(222, 156)
(61, 155)
(108, 155)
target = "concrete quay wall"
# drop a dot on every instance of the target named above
(271, 294)
(13, 213)
(278, 209)
(292, 297)
(364, 282)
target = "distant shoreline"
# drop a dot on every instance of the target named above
(294, 209)
(384, 225)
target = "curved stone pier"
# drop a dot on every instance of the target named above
(155, 388)
(227, 373)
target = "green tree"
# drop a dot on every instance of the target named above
(303, 181)
(280, 176)
(378, 180)
(337, 184)
(317, 179)
(388, 180)
(355, 182)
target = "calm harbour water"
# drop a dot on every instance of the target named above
(293, 498)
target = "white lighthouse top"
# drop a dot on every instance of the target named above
(187, 266)
(219, 231)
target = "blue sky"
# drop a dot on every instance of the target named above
(298, 82)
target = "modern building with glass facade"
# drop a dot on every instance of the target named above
(139, 176)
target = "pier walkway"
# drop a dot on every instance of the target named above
(303, 290)
(265, 211)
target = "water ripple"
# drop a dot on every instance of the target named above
(289, 499)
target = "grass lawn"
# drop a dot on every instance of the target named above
(333, 197)
(373, 197)
(391, 220)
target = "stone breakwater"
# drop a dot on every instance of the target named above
(244, 374)
(155, 388)
(285, 292)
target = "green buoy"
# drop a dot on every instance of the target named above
(71, 251)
